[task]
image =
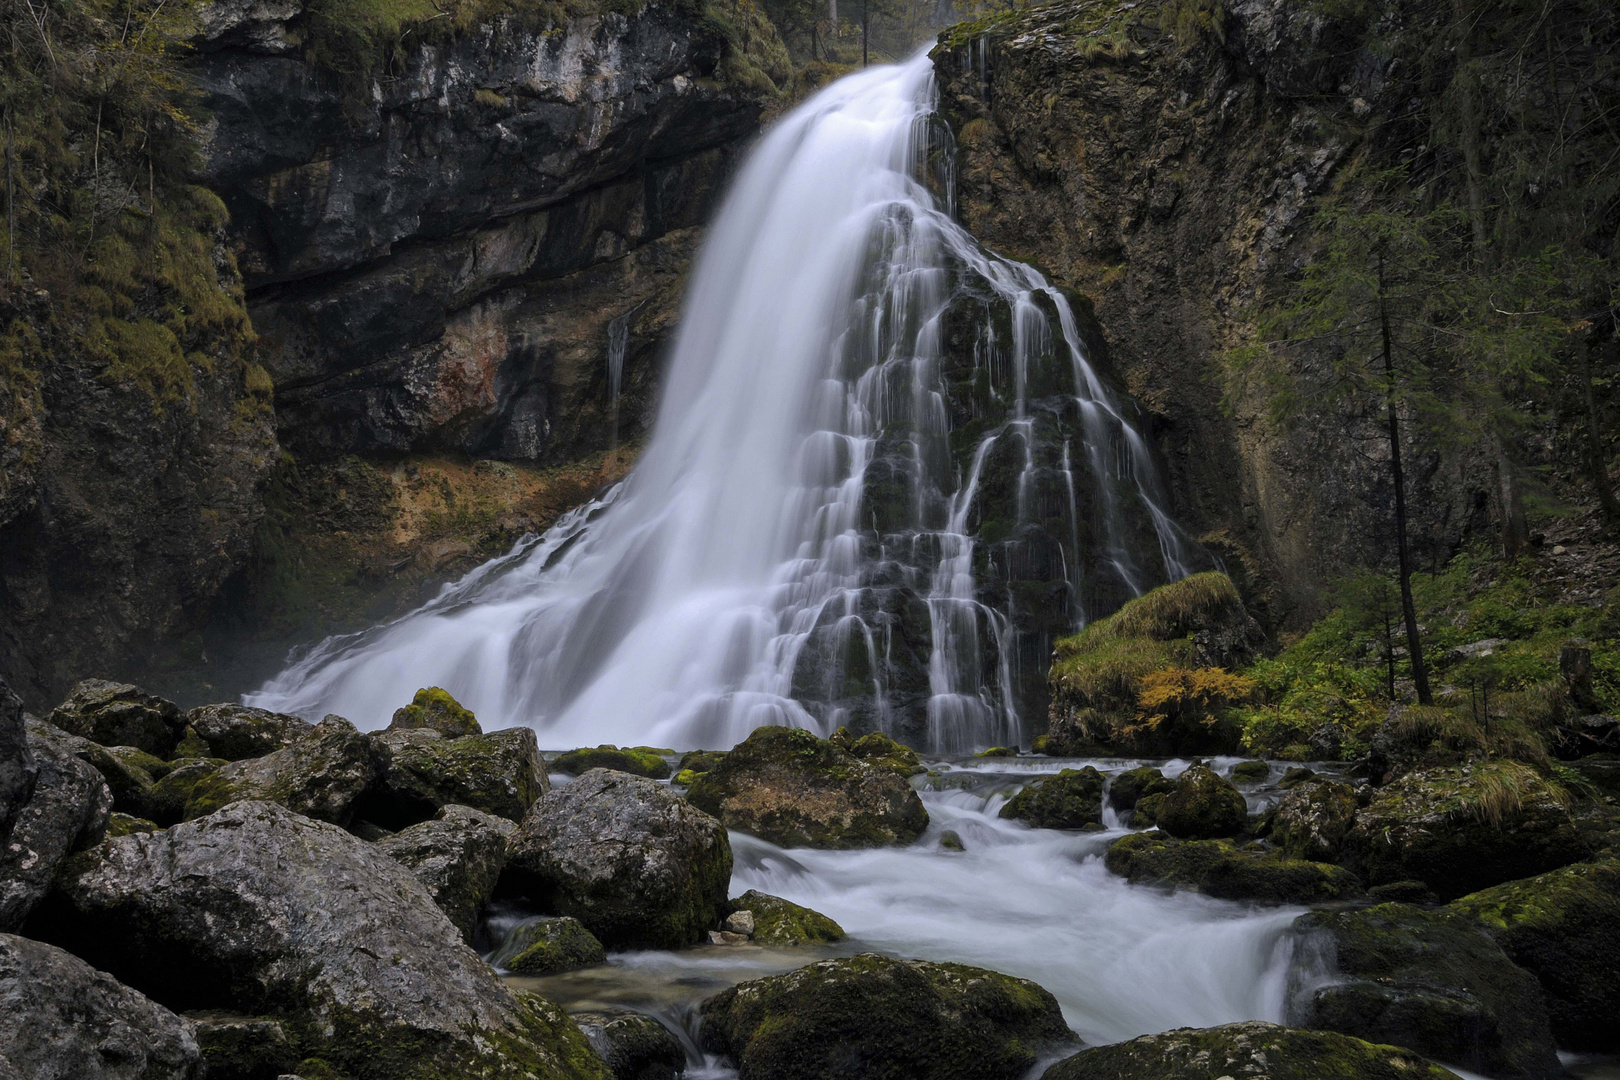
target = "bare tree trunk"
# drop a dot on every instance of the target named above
(1414, 643)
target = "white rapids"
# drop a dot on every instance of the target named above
(674, 611)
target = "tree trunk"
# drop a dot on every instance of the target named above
(1414, 643)
(1515, 531)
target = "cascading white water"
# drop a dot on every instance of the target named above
(753, 569)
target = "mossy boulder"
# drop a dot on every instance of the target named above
(547, 946)
(1203, 805)
(1070, 800)
(1564, 928)
(876, 748)
(458, 856)
(1431, 981)
(1311, 820)
(1463, 828)
(433, 708)
(626, 856)
(265, 912)
(1128, 788)
(243, 1047)
(635, 760)
(1222, 869)
(1295, 776)
(322, 776)
(783, 923)
(421, 772)
(791, 788)
(118, 714)
(701, 761)
(125, 824)
(1147, 810)
(167, 801)
(1251, 1049)
(633, 1045)
(237, 732)
(1251, 772)
(868, 1017)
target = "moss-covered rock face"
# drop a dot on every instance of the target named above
(1250, 772)
(876, 748)
(546, 946)
(868, 1017)
(1221, 868)
(782, 922)
(626, 856)
(1564, 928)
(321, 776)
(791, 788)
(1202, 806)
(500, 773)
(434, 708)
(1462, 829)
(1431, 981)
(1128, 788)
(118, 714)
(636, 760)
(458, 857)
(169, 797)
(1312, 820)
(1148, 808)
(236, 732)
(1070, 800)
(1251, 1049)
(634, 1046)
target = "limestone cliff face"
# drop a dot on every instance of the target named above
(1170, 180)
(433, 254)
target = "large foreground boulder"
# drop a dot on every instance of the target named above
(263, 912)
(871, 1017)
(67, 809)
(236, 732)
(1564, 928)
(626, 856)
(1070, 800)
(61, 1019)
(1462, 829)
(1222, 869)
(422, 771)
(118, 714)
(791, 788)
(459, 856)
(1246, 1050)
(1433, 982)
(1204, 805)
(321, 776)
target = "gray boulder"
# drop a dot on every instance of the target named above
(626, 856)
(634, 1045)
(61, 1019)
(1312, 819)
(16, 760)
(119, 714)
(421, 771)
(67, 810)
(261, 911)
(235, 732)
(323, 775)
(458, 856)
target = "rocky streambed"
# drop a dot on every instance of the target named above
(233, 893)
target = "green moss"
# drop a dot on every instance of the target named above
(784, 923)
(1148, 808)
(126, 825)
(998, 751)
(1251, 772)
(433, 707)
(548, 946)
(1222, 869)
(1203, 805)
(639, 762)
(1129, 787)
(876, 748)
(701, 761)
(1070, 800)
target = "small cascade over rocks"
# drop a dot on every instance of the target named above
(884, 477)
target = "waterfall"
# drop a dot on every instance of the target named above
(857, 504)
